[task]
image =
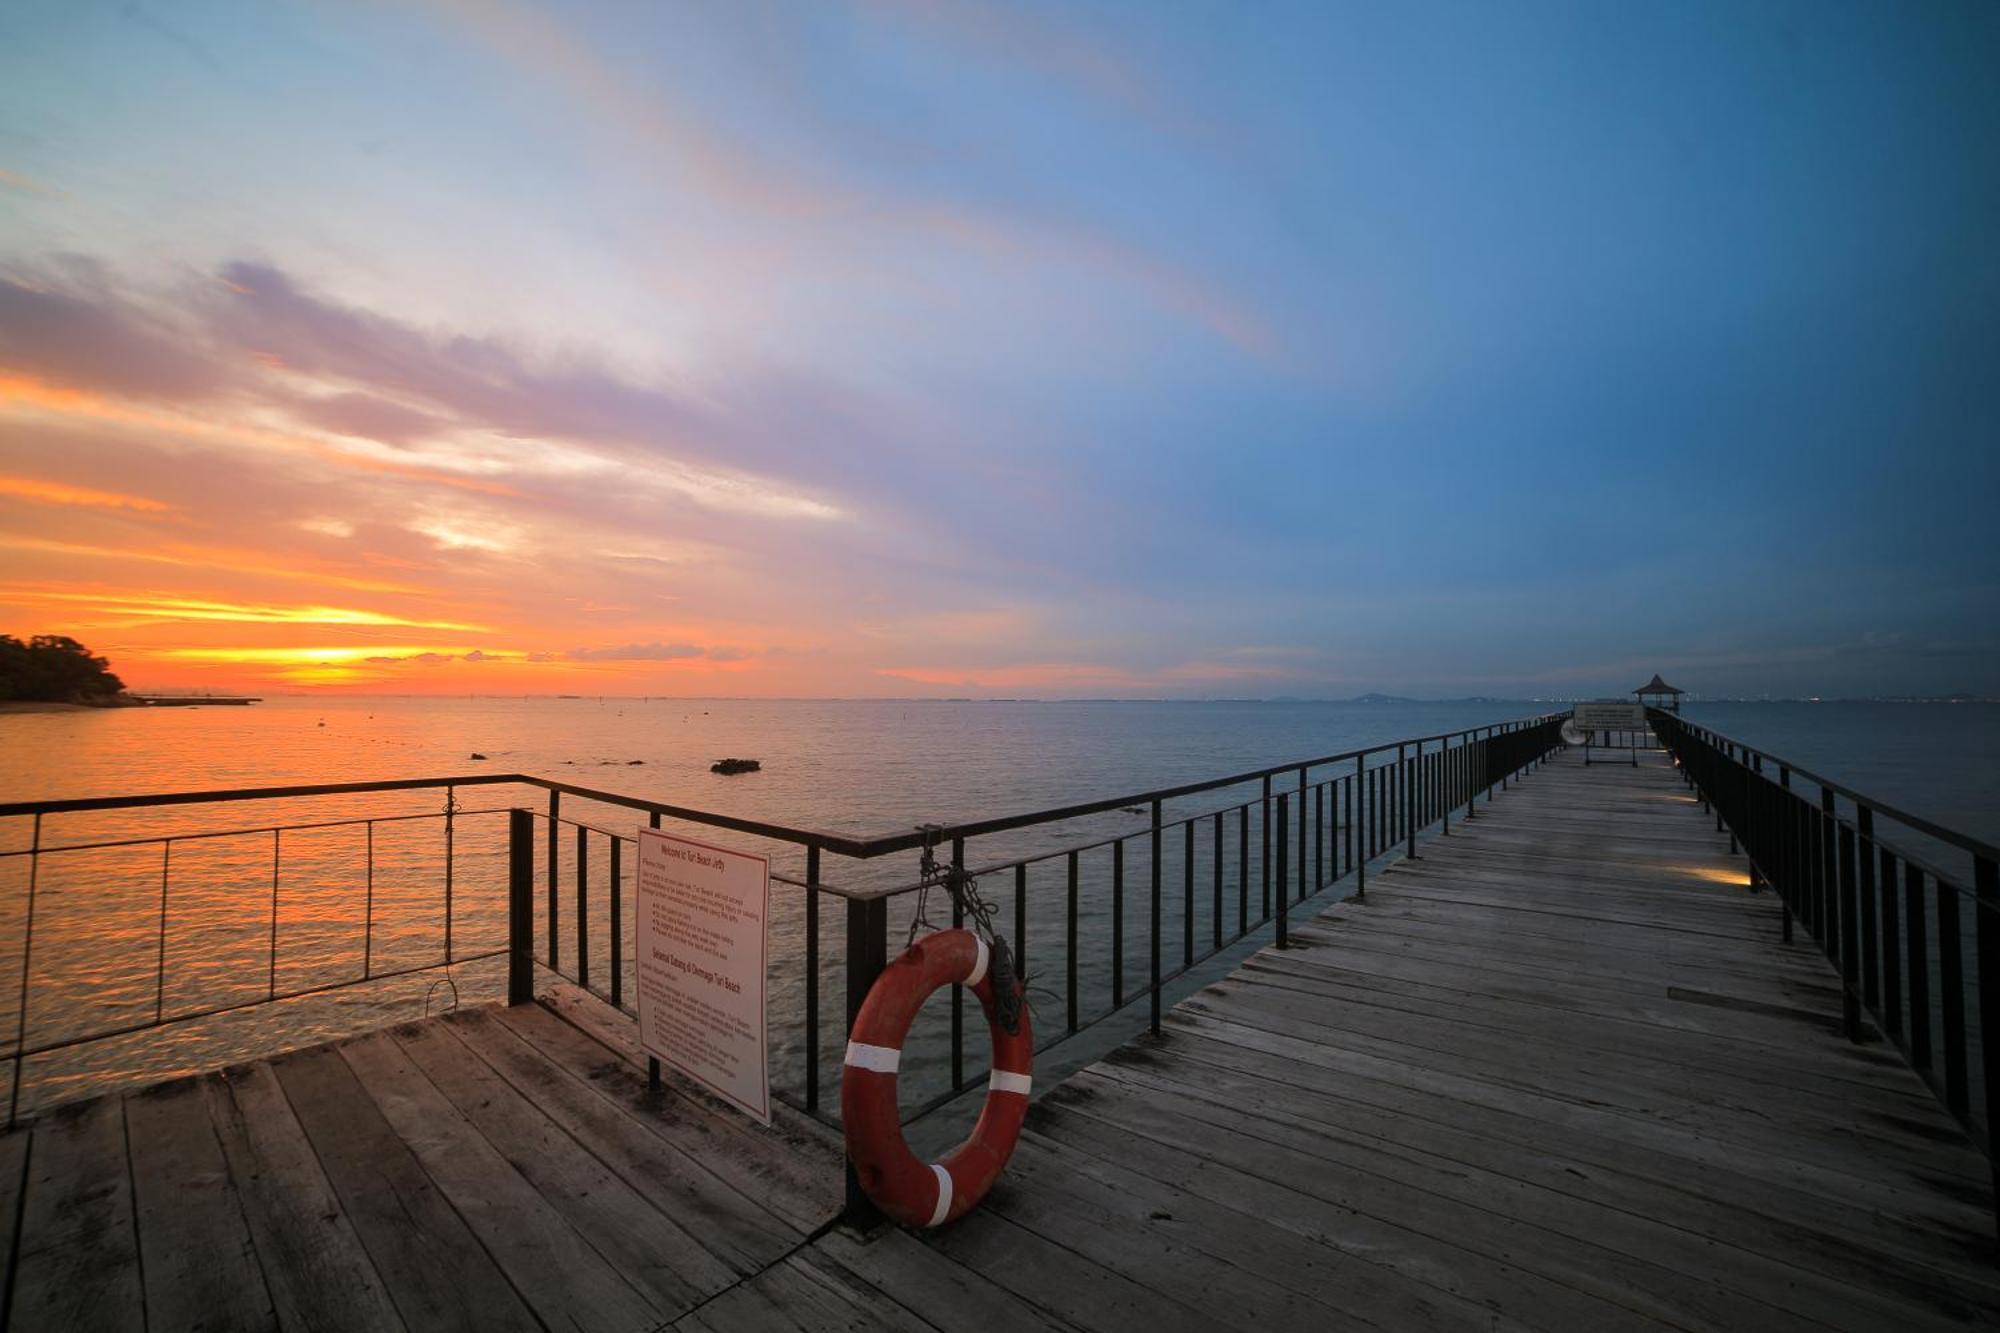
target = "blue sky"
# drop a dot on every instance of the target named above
(946, 347)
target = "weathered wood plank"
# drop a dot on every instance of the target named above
(432, 1264)
(1743, 1226)
(801, 1157)
(1345, 1287)
(78, 1256)
(200, 1268)
(673, 1172)
(642, 1242)
(1059, 1281)
(1796, 1123)
(766, 1168)
(1855, 1231)
(552, 1267)
(1540, 1286)
(319, 1275)
(1213, 1274)
(1689, 1270)
(902, 1269)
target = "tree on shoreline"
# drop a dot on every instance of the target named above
(55, 669)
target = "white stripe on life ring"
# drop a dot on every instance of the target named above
(1004, 1080)
(881, 1059)
(944, 1195)
(978, 963)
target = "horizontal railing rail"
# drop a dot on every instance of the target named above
(1892, 919)
(151, 1004)
(1241, 865)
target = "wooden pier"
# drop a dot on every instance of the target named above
(1557, 1072)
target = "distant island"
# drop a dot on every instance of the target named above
(55, 669)
(53, 673)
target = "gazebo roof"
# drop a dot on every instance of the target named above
(1657, 686)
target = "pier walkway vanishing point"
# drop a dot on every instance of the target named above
(1556, 1073)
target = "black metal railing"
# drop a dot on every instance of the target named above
(1278, 837)
(1906, 910)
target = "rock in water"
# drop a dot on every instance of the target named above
(729, 767)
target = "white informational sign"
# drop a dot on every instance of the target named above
(702, 913)
(1611, 717)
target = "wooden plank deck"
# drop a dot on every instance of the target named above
(1556, 1073)
(494, 1169)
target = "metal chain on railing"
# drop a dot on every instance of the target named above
(451, 809)
(963, 890)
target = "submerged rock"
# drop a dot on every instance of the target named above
(729, 767)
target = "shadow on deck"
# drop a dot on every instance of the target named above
(1558, 1072)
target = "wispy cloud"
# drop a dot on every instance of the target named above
(657, 652)
(15, 181)
(38, 491)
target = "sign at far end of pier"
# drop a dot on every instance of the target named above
(702, 934)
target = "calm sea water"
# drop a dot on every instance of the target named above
(126, 934)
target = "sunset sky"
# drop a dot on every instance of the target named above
(946, 347)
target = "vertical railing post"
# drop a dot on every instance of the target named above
(1850, 949)
(1302, 833)
(368, 905)
(582, 907)
(617, 897)
(1285, 885)
(450, 864)
(520, 906)
(1892, 946)
(1446, 775)
(1069, 932)
(1187, 894)
(1917, 961)
(1153, 974)
(1284, 899)
(1319, 837)
(1788, 857)
(1986, 935)
(1020, 940)
(27, 958)
(1117, 923)
(276, 856)
(812, 974)
(1951, 993)
(957, 992)
(1215, 923)
(1867, 908)
(1409, 798)
(1264, 833)
(1242, 870)
(1360, 864)
(1829, 876)
(867, 955)
(555, 814)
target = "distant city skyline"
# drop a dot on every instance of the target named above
(938, 347)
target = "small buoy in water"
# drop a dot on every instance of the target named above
(477, 755)
(322, 722)
(730, 767)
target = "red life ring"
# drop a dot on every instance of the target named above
(906, 1189)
